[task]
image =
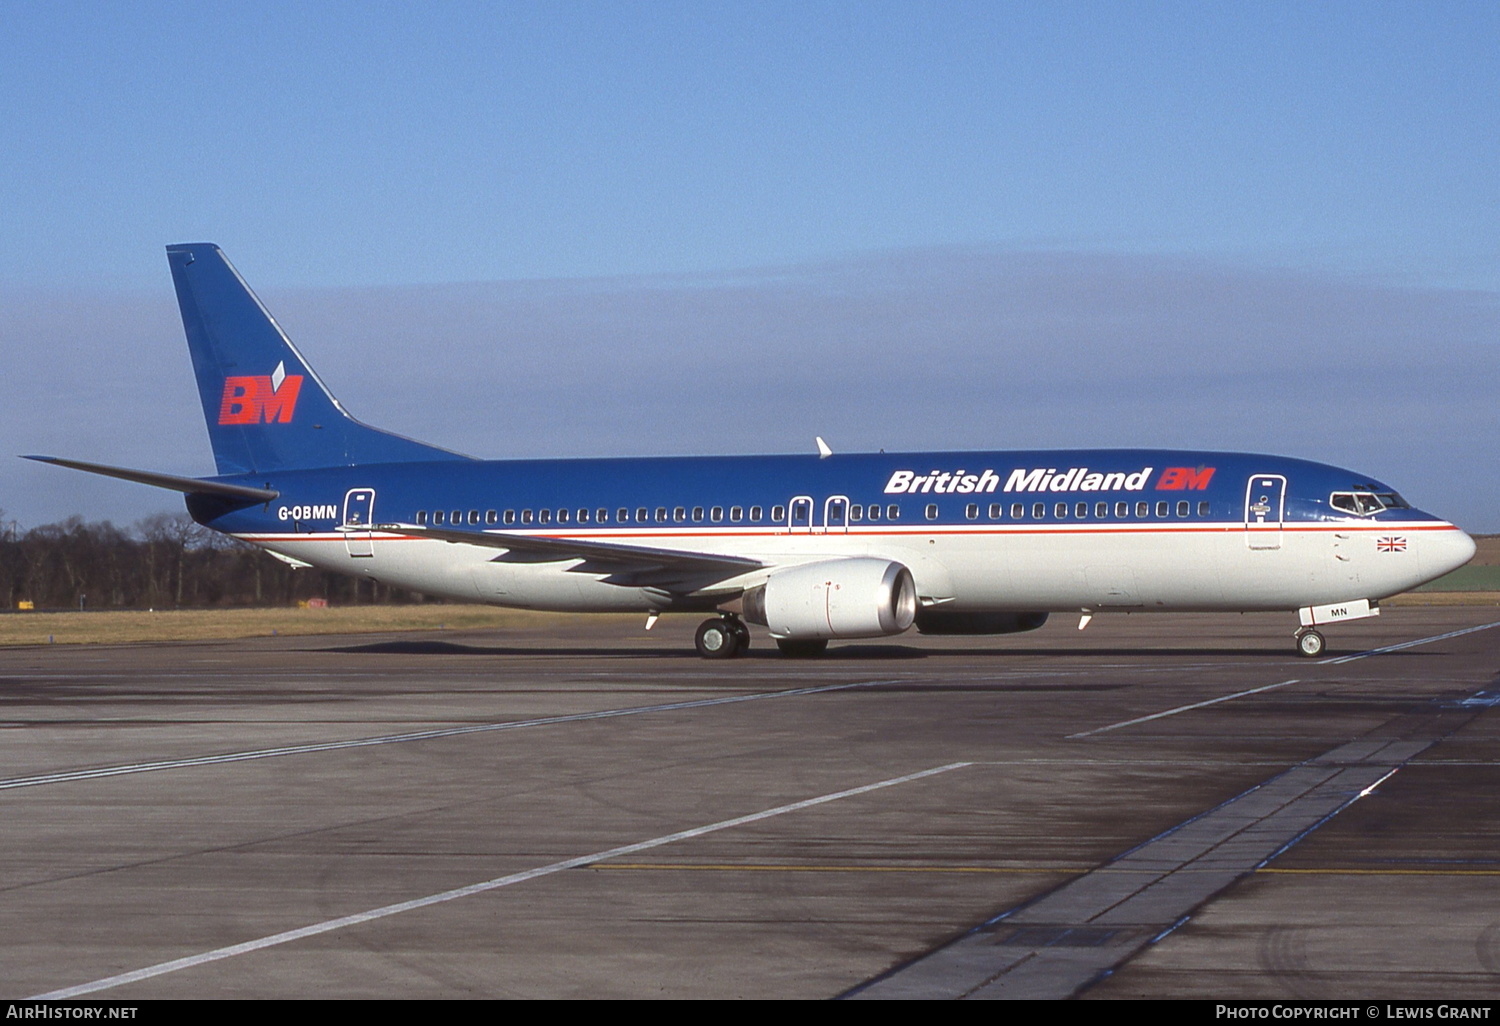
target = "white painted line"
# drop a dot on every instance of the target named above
(162, 968)
(1180, 709)
(1408, 644)
(421, 735)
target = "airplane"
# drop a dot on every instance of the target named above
(813, 548)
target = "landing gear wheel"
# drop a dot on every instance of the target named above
(717, 639)
(797, 648)
(743, 633)
(1309, 644)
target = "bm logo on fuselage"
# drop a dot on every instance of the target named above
(260, 398)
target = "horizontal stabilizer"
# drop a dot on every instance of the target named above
(186, 485)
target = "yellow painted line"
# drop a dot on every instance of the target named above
(733, 868)
(1383, 872)
(1004, 870)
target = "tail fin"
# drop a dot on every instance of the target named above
(266, 409)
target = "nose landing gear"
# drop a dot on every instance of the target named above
(1309, 644)
(723, 637)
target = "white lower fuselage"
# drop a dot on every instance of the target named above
(1095, 568)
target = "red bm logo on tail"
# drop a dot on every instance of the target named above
(260, 398)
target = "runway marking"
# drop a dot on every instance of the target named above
(420, 735)
(286, 937)
(1407, 644)
(1180, 709)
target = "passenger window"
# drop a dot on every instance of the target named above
(526, 516)
(1039, 510)
(1161, 508)
(641, 515)
(856, 512)
(778, 514)
(893, 512)
(996, 511)
(755, 514)
(697, 514)
(932, 511)
(601, 516)
(1143, 509)
(437, 516)
(623, 515)
(716, 514)
(421, 516)
(1204, 508)
(510, 516)
(1182, 507)
(544, 516)
(736, 514)
(1122, 510)
(874, 511)
(1101, 510)
(1081, 510)
(457, 518)
(562, 516)
(661, 514)
(473, 516)
(491, 517)
(1018, 511)
(583, 516)
(972, 511)
(1061, 510)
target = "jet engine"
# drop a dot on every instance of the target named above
(938, 621)
(863, 597)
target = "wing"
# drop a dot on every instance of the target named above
(630, 565)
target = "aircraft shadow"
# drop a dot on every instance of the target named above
(837, 653)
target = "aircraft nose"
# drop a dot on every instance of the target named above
(1446, 551)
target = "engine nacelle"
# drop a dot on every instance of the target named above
(938, 621)
(862, 597)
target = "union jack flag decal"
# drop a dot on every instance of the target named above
(1390, 544)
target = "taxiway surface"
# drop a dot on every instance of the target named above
(1158, 806)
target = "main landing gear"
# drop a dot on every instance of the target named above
(1309, 643)
(723, 637)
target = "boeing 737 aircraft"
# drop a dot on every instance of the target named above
(813, 548)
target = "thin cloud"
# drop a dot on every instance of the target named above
(915, 349)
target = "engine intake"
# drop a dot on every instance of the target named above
(861, 597)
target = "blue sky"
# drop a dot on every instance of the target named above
(1307, 193)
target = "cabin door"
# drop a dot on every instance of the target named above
(1265, 508)
(836, 515)
(800, 514)
(359, 517)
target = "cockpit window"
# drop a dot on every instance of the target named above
(1364, 504)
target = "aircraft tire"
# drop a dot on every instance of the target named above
(800, 648)
(1310, 644)
(717, 639)
(743, 634)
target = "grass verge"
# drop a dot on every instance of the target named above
(115, 627)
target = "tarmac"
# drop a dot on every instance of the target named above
(1159, 806)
